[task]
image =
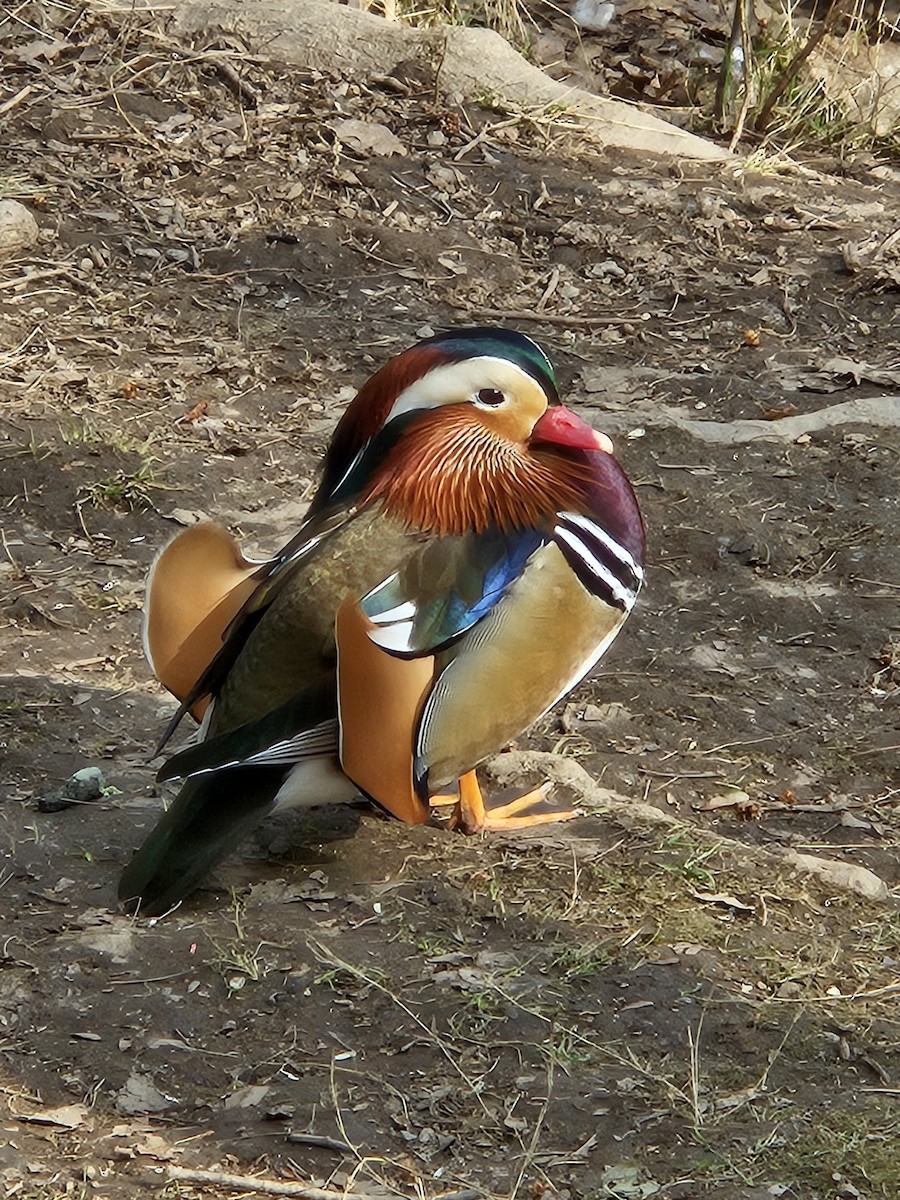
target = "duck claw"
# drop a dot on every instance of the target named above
(471, 816)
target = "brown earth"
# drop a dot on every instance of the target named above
(624, 1007)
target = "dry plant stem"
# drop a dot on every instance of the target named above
(252, 1183)
(890, 989)
(327, 956)
(790, 72)
(742, 8)
(694, 1052)
(724, 85)
(532, 1147)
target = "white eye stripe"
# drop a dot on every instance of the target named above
(456, 382)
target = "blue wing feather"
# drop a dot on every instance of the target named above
(445, 588)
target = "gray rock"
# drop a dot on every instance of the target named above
(18, 228)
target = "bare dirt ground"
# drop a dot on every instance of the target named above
(654, 1000)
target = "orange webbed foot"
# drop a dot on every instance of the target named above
(471, 816)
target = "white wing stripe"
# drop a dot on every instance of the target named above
(395, 639)
(391, 616)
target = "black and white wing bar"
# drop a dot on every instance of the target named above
(602, 564)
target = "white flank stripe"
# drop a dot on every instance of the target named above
(321, 739)
(618, 590)
(615, 548)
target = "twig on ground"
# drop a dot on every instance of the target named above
(16, 100)
(241, 88)
(253, 1183)
(318, 1139)
(530, 314)
(484, 134)
(33, 277)
(281, 1187)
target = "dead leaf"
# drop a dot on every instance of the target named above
(139, 1094)
(725, 800)
(68, 1116)
(861, 372)
(368, 137)
(724, 900)
(31, 52)
(186, 516)
(625, 1182)
(707, 658)
(154, 1146)
(167, 1043)
(200, 409)
(665, 956)
(247, 1097)
(778, 414)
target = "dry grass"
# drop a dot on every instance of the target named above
(508, 17)
(823, 82)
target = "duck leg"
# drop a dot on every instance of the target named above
(472, 816)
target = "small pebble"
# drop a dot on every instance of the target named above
(593, 15)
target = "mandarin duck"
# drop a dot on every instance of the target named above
(471, 552)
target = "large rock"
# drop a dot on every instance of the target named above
(18, 228)
(470, 62)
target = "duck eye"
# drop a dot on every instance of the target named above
(492, 397)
